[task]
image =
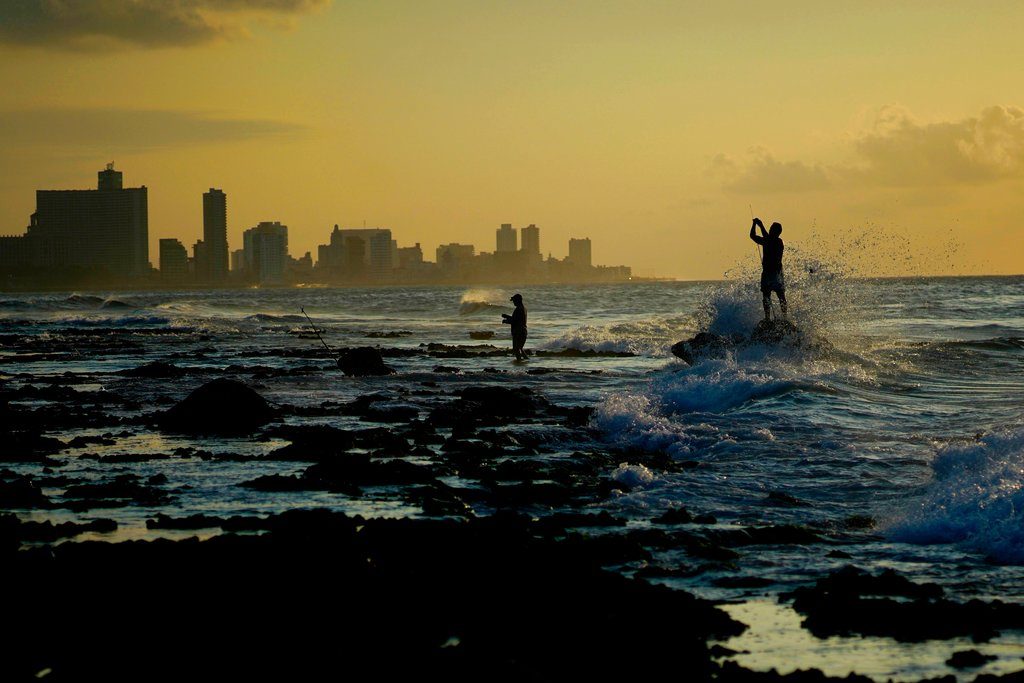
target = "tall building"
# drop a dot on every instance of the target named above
(238, 260)
(200, 261)
(103, 231)
(266, 252)
(452, 256)
(358, 253)
(579, 253)
(215, 235)
(173, 260)
(506, 239)
(410, 257)
(531, 240)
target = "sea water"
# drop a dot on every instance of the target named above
(909, 411)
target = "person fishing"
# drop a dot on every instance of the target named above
(772, 279)
(518, 322)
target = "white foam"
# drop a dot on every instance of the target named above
(648, 336)
(633, 476)
(975, 499)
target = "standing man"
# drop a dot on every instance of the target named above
(518, 322)
(772, 279)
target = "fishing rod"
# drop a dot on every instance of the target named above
(316, 331)
(756, 245)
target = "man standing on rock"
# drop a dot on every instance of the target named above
(518, 322)
(771, 266)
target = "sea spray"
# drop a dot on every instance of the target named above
(975, 498)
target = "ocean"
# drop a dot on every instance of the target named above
(902, 432)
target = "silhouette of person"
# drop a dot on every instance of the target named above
(518, 322)
(772, 279)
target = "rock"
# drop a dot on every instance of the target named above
(969, 659)
(674, 516)
(22, 493)
(481, 334)
(223, 406)
(775, 332)
(156, 369)
(703, 344)
(783, 499)
(363, 361)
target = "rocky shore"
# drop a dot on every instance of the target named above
(503, 571)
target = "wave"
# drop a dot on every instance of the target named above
(652, 336)
(975, 498)
(270, 318)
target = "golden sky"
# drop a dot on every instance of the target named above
(649, 127)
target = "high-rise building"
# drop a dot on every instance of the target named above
(359, 252)
(452, 256)
(579, 253)
(238, 260)
(506, 239)
(410, 257)
(173, 260)
(531, 240)
(200, 261)
(103, 231)
(215, 234)
(266, 252)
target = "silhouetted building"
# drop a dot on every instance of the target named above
(200, 261)
(410, 257)
(579, 253)
(506, 239)
(215, 235)
(454, 256)
(173, 261)
(355, 253)
(266, 252)
(103, 232)
(531, 240)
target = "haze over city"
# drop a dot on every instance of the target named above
(649, 127)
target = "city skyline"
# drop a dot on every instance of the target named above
(652, 127)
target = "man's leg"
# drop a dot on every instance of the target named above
(782, 301)
(766, 301)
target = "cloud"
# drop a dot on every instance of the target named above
(128, 130)
(119, 24)
(897, 151)
(762, 172)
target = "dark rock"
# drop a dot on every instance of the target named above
(363, 361)
(156, 369)
(782, 534)
(223, 406)
(481, 334)
(969, 659)
(775, 332)
(852, 601)
(783, 499)
(674, 516)
(125, 486)
(22, 493)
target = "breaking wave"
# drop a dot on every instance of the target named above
(975, 498)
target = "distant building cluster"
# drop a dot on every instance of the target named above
(101, 237)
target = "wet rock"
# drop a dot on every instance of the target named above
(782, 534)
(703, 344)
(446, 369)
(363, 361)
(48, 532)
(678, 515)
(28, 446)
(783, 499)
(125, 486)
(775, 332)
(223, 406)
(22, 492)
(851, 601)
(83, 441)
(969, 659)
(155, 370)
(163, 521)
(481, 334)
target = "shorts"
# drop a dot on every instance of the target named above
(518, 339)
(773, 282)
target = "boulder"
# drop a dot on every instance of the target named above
(363, 361)
(223, 406)
(156, 369)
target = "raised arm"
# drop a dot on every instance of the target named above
(753, 227)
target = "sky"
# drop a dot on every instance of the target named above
(888, 134)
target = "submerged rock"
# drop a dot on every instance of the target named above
(223, 406)
(156, 369)
(363, 361)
